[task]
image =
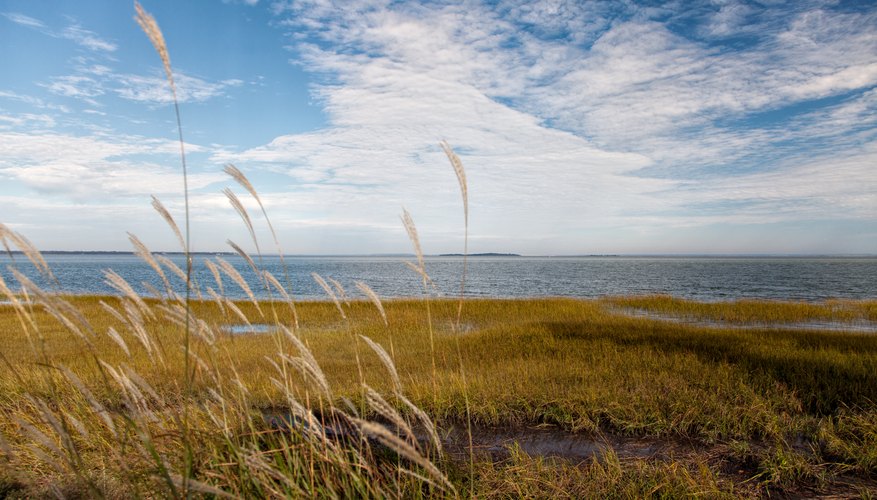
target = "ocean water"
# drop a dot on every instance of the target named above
(700, 278)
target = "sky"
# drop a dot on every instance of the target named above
(691, 127)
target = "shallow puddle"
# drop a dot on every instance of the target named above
(823, 325)
(498, 442)
(255, 328)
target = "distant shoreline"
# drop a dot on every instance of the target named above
(484, 254)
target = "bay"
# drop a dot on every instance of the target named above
(698, 278)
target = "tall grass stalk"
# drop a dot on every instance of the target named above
(420, 268)
(464, 193)
(153, 32)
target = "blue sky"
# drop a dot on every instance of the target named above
(585, 127)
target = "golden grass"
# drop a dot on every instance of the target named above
(151, 396)
(569, 363)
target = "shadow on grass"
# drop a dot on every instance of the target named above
(826, 370)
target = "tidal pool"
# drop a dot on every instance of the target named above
(254, 328)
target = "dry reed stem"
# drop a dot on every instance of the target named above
(380, 405)
(239, 208)
(9, 455)
(340, 289)
(135, 324)
(150, 27)
(461, 175)
(166, 215)
(216, 276)
(233, 273)
(28, 249)
(92, 401)
(117, 282)
(114, 335)
(174, 268)
(217, 299)
(25, 319)
(411, 229)
(241, 179)
(141, 251)
(325, 286)
(386, 360)
(425, 420)
(309, 358)
(392, 441)
(56, 307)
(367, 290)
(249, 260)
(464, 191)
(272, 280)
(237, 311)
(43, 440)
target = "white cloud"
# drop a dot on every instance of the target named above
(155, 88)
(572, 118)
(95, 81)
(28, 120)
(33, 101)
(24, 20)
(76, 86)
(398, 77)
(87, 39)
(78, 167)
(75, 33)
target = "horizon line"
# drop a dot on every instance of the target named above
(509, 255)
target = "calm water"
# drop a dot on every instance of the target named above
(701, 278)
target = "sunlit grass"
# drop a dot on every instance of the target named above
(570, 363)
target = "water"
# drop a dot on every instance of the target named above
(698, 278)
(496, 442)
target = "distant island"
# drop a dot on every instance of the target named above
(488, 254)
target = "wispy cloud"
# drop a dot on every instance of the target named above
(75, 33)
(154, 89)
(609, 111)
(87, 39)
(26, 120)
(97, 80)
(24, 20)
(33, 101)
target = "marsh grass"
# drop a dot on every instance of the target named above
(743, 312)
(803, 401)
(148, 395)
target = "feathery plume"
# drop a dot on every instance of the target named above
(374, 298)
(328, 289)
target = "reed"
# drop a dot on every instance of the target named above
(152, 396)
